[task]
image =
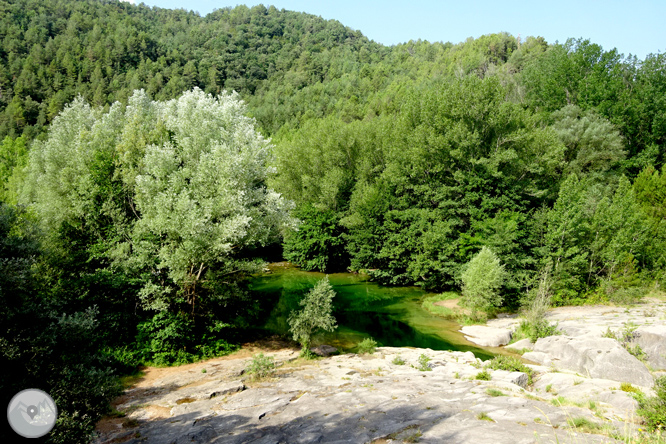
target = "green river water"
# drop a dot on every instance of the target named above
(392, 316)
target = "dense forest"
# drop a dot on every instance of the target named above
(151, 160)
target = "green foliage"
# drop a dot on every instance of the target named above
(593, 236)
(48, 342)
(164, 339)
(318, 243)
(13, 160)
(653, 409)
(423, 363)
(494, 392)
(315, 315)
(261, 366)
(536, 329)
(398, 360)
(482, 280)
(366, 346)
(628, 388)
(511, 364)
(153, 188)
(483, 375)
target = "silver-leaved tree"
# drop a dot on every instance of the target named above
(169, 191)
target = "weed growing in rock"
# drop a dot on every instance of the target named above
(583, 424)
(483, 376)
(495, 393)
(511, 364)
(366, 346)
(483, 416)
(423, 363)
(534, 324)
(627, 387)
(398, 360)
(261, 366)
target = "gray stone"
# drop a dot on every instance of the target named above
(486, 336)
(593, 357)
(522, 345)
(518, 378)
(652, 339)
(324, 350)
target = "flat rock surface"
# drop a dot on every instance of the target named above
(358, 399)
(371, 399)
(486, 336)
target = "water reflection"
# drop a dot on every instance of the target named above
(391, 315)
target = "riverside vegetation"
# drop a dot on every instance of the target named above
(139, 194)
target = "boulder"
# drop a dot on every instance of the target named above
(487, 336)
(324, 350)
(652, 339)
(592, 357)
(522, 345)
(518, 378)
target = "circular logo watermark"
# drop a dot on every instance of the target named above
(32, 413)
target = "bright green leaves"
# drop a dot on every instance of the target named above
(481, 281)
(593, 232)
(315, 315)
(318, 243)
(13, 160)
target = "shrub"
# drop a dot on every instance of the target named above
(261, 366)
(398, 360)
(165, 338)
(482, 279)
(483, 375)
(423, 363)
(366, 346)
(511, 364)
(315, 315)
(653, 409)
(537, 329)
(494, 392)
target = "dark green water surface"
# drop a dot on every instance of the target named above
(392, 316)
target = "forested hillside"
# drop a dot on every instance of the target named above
(139, 193)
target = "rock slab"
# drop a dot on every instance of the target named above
(591, 357)
(486, 336)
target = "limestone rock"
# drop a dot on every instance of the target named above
(521, 345)
(652, 339)
(324, 350)
(486, 336)
(592, 357)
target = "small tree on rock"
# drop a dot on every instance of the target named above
(482, 279)
(315, 315)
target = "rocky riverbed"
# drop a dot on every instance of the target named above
(580, 392)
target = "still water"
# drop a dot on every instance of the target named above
(392, 316)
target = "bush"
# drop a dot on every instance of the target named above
(537, 329)
(482, 279)
(398, 360)
(164, 339)
(511, 364)
(261, 366)
(483, 375)
(315, 315)
(653, 409)
(366, 346)
(423, 363)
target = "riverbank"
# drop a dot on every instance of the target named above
(379, 398)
